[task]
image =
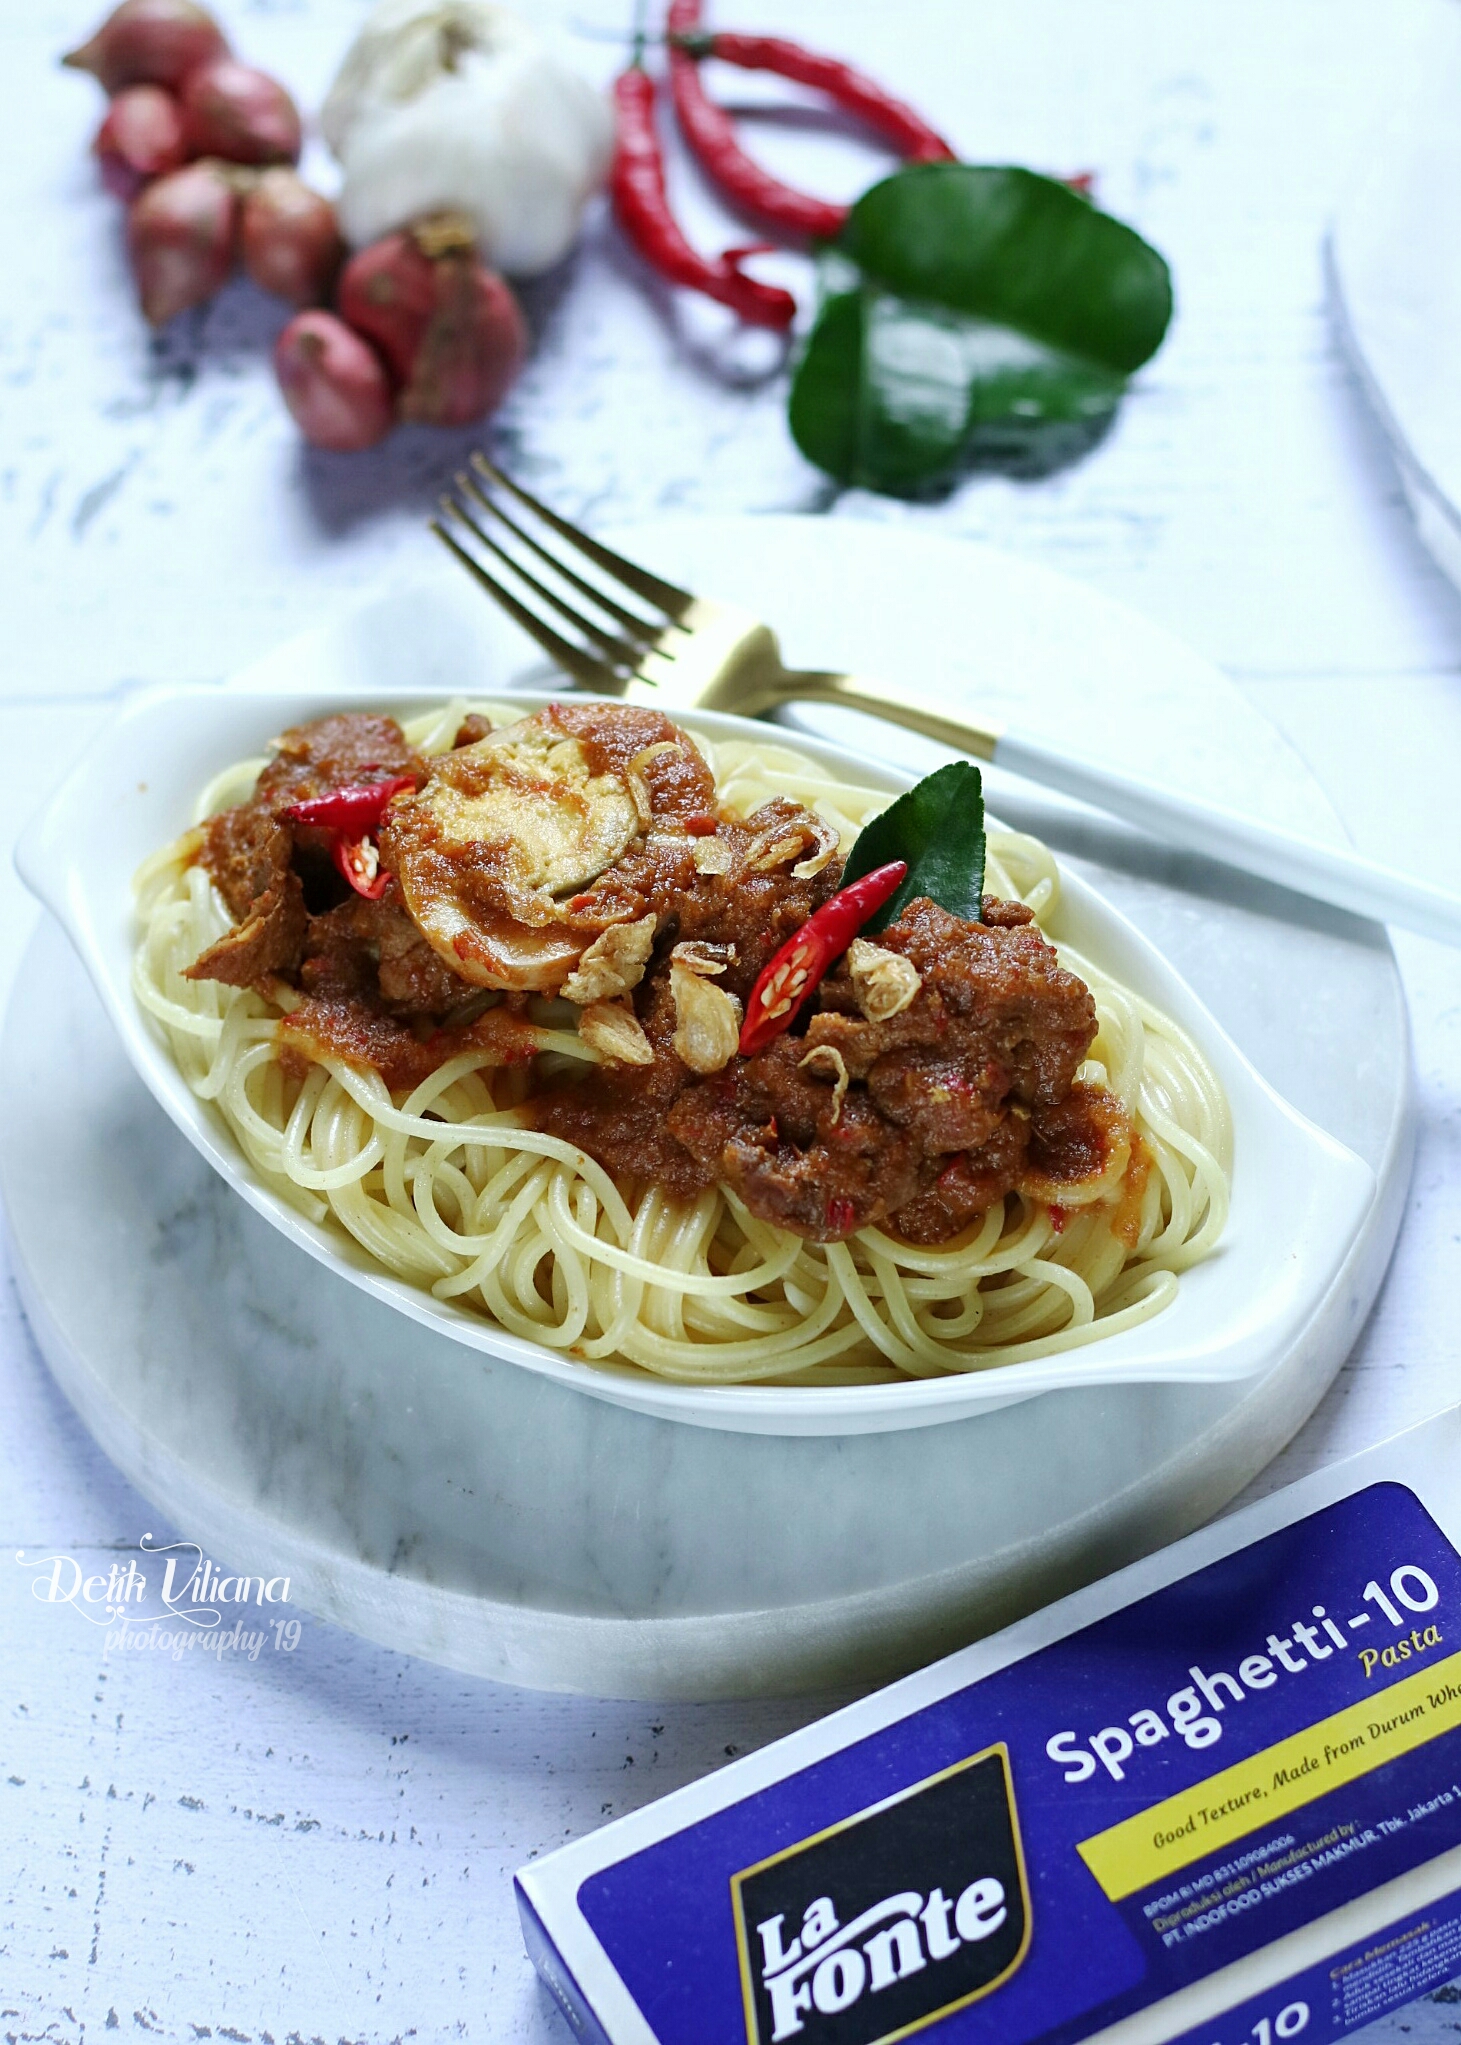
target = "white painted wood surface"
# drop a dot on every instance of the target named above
(318, 1845)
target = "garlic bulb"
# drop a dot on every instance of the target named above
(462, 106)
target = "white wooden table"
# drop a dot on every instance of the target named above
(318, 1844)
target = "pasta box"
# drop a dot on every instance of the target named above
(1214, 1797)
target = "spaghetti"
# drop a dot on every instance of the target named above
(451, 1187)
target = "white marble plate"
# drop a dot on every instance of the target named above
(1298, 1197)
(1395, 252)
(456, 1506)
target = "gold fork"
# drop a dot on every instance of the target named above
(690, 653)
(694, 654)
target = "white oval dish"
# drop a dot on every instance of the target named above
(1298, 1196)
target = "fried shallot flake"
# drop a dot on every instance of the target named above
(708, 960)
(707, 1020)
(884, 982)
(825, 1058)
(615, 1031)
(613, 963)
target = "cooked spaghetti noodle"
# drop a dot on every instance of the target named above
(450, 1188)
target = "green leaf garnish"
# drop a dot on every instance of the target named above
(938, 827)
(1019, 249)
(971, 314)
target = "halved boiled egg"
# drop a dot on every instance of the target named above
(509, 831)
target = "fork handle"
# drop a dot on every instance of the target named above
(1328, 873)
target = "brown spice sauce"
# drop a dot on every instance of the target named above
(966, 1096)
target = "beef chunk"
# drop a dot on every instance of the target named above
(934, 1123)
(247, 853)
(273, 878)
(798, 1153)
(968, 1186)
(995, 998)
(265, 945)
(364, 948)
(333, 752)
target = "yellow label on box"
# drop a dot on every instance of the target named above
(1268, 1785)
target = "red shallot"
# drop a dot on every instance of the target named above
(387, 291)
(149, 42)
(180, 235)
(449, 327)
(140, 139)
(291, 244)
(334, 383)
(473, 347)
(232, 110)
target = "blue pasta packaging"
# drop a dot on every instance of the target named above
(1215, 1797)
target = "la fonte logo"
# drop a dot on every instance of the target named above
(886, 1920)
(831, 1966)
(189, 1587)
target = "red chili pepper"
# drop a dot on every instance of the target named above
(711, 133)
(351, 816)
(359, 860)
(805, 959)
(353, 810)
(637, 185)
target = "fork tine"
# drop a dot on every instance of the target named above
(622, 652)
(653, 588)
(586, 668)
(629, 619)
